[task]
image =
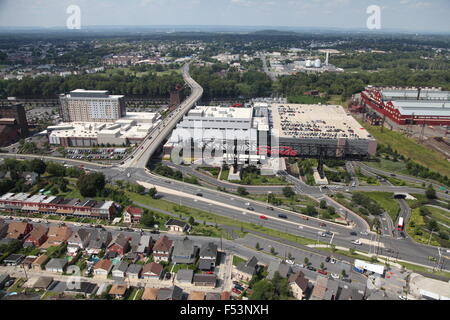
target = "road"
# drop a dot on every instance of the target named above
(234, 207)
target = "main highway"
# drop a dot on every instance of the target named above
(245, 210)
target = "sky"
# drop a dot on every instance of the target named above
(407, 15)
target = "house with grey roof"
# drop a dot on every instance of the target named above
(283, 269)
(78, 240)
(145, 245)
(56, 265)
(134, 271)
(205, 280)
(177, 226)
(98, 240)
(185, 275)
(120, 269)
(246, 270)
(348, 293)
(173, 293)
(208, 256)
(184, 251)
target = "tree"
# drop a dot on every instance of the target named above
(322, 265)
(306, 260)
(242, 191)
(90, 184)
(343, 273)
(148, 219)
(323, 204)
(430, 193)
(432, 225)
(152, 192)
(191, 221)
(352, 251)
(272, 250)
(56, 169)
(38, 166)
(288, 192)
(257, 247)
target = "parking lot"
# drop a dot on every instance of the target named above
(97, 153)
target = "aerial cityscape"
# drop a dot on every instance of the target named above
(221, 160)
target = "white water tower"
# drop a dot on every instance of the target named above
(308, 63)
(317, 63)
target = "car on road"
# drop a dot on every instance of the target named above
(322, 234)
(270, 208)
(333, 260)
(263, 218)
(322, 272)
(353, 233)
(364, 233)
(322, 224)
(357, 242)
(199, 194)
(327, 259)
(305, 218)
(236, 291)
(251, 209)
(335, 276)
(282, 216)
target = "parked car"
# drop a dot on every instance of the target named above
(347, 280)
(335, 276)
(236, 291)
(327, 259)
(322, 272)
(401, 297)
(333, 260)
(311, 268)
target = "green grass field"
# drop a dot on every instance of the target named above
(441, 216)
(416, 222)
(387, 202)
(410, 149)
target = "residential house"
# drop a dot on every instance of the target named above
(325, 289)
(205, 280)
(134, 271)
(212, 296)
(98, 240)
(120, 244)
(298, 285)
(14, 259)
(19, 230)
(56, 265)
(196, 295)
(185, 276)
(39, 283)
(39, 262)
(184, 251)
(348, 293)
(57, 235)
(145, 246)
(132, 215)
(103, 267)
(162, 249)
(152, 270)
(120, 269)
(28, 261)
(177, 226)
(283, 269)
(118, 290)
(131, 257)
(208, 256)
(150, 294)
(246, 270)
(87, 289)
(3, 228)
(79, 240)
(173, 293)
(37, 236)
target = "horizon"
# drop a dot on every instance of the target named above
(412, 16)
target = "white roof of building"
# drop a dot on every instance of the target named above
(364, 265)
(423, 108)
